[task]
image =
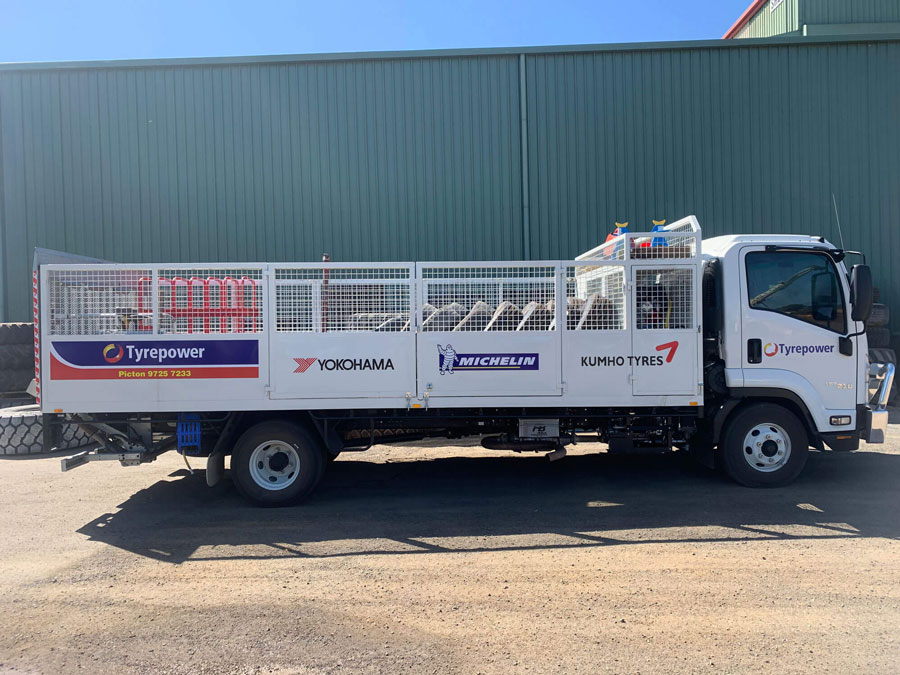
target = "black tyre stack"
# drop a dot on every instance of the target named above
(16, 358)
(878, 333)
(21, 422)
(22, 432)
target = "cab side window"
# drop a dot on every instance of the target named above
(804, 286)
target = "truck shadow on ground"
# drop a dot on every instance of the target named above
(506, 503)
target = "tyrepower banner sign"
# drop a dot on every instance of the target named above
(154, 359)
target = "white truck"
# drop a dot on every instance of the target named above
(742, 350)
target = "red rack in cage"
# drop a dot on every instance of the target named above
(233, 313)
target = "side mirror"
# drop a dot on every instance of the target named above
(862, 292)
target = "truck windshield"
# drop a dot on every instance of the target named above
(801, 285)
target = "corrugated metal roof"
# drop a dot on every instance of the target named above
(744, 18)
(430, 53)
(774, 20)
(792, 15)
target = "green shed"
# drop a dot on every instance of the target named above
(472, 154)
(768, 18)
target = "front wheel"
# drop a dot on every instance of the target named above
(764, 445)
(277, 463)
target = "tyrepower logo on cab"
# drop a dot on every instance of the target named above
(772, 349)
(633, 359)
(354, 365)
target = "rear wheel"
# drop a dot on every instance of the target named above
(764, 445)
(277, 463)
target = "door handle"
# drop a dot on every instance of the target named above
(754, 350)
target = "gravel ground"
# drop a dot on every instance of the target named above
(454, 559)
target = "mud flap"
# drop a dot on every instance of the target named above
(215, 468)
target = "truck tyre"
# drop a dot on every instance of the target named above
(277, 463)
(22, 433)
(16, 334)
(880, 316)
(878, 336)
(764, 445)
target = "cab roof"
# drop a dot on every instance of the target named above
(718, 246)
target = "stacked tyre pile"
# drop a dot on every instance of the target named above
(21, 426)
(16, 359)
(878, 333)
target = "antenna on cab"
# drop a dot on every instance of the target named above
(838, 218)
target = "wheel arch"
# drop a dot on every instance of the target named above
(330, 439)
(746, 396)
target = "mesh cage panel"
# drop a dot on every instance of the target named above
(613, 249)
(664, 246)
(595, 298)
(342, 299)
(99, 301)
(198, 300)
(342, 273)
(664, 298)
(684, 226)
(294, 308)
(519, 298)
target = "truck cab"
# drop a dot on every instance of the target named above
(785, 332)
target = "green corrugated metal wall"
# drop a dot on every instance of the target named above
(374, 159)
(751, 140)
(389, 158)
(849, 11)
(767, 22)
(791, 16)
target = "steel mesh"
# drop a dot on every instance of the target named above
(469, 299)
(352, 300)
(99, 302)
(664, 246)
(664, 298)
(595, 298)
(210, 300)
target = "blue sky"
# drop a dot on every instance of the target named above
(69, 30)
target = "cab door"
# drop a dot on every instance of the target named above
(794, 312)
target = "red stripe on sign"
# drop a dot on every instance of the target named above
(62, 371)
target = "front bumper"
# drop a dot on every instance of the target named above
(877, 414)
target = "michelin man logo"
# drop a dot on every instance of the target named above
(447, 358)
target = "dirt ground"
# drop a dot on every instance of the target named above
(454, 559)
